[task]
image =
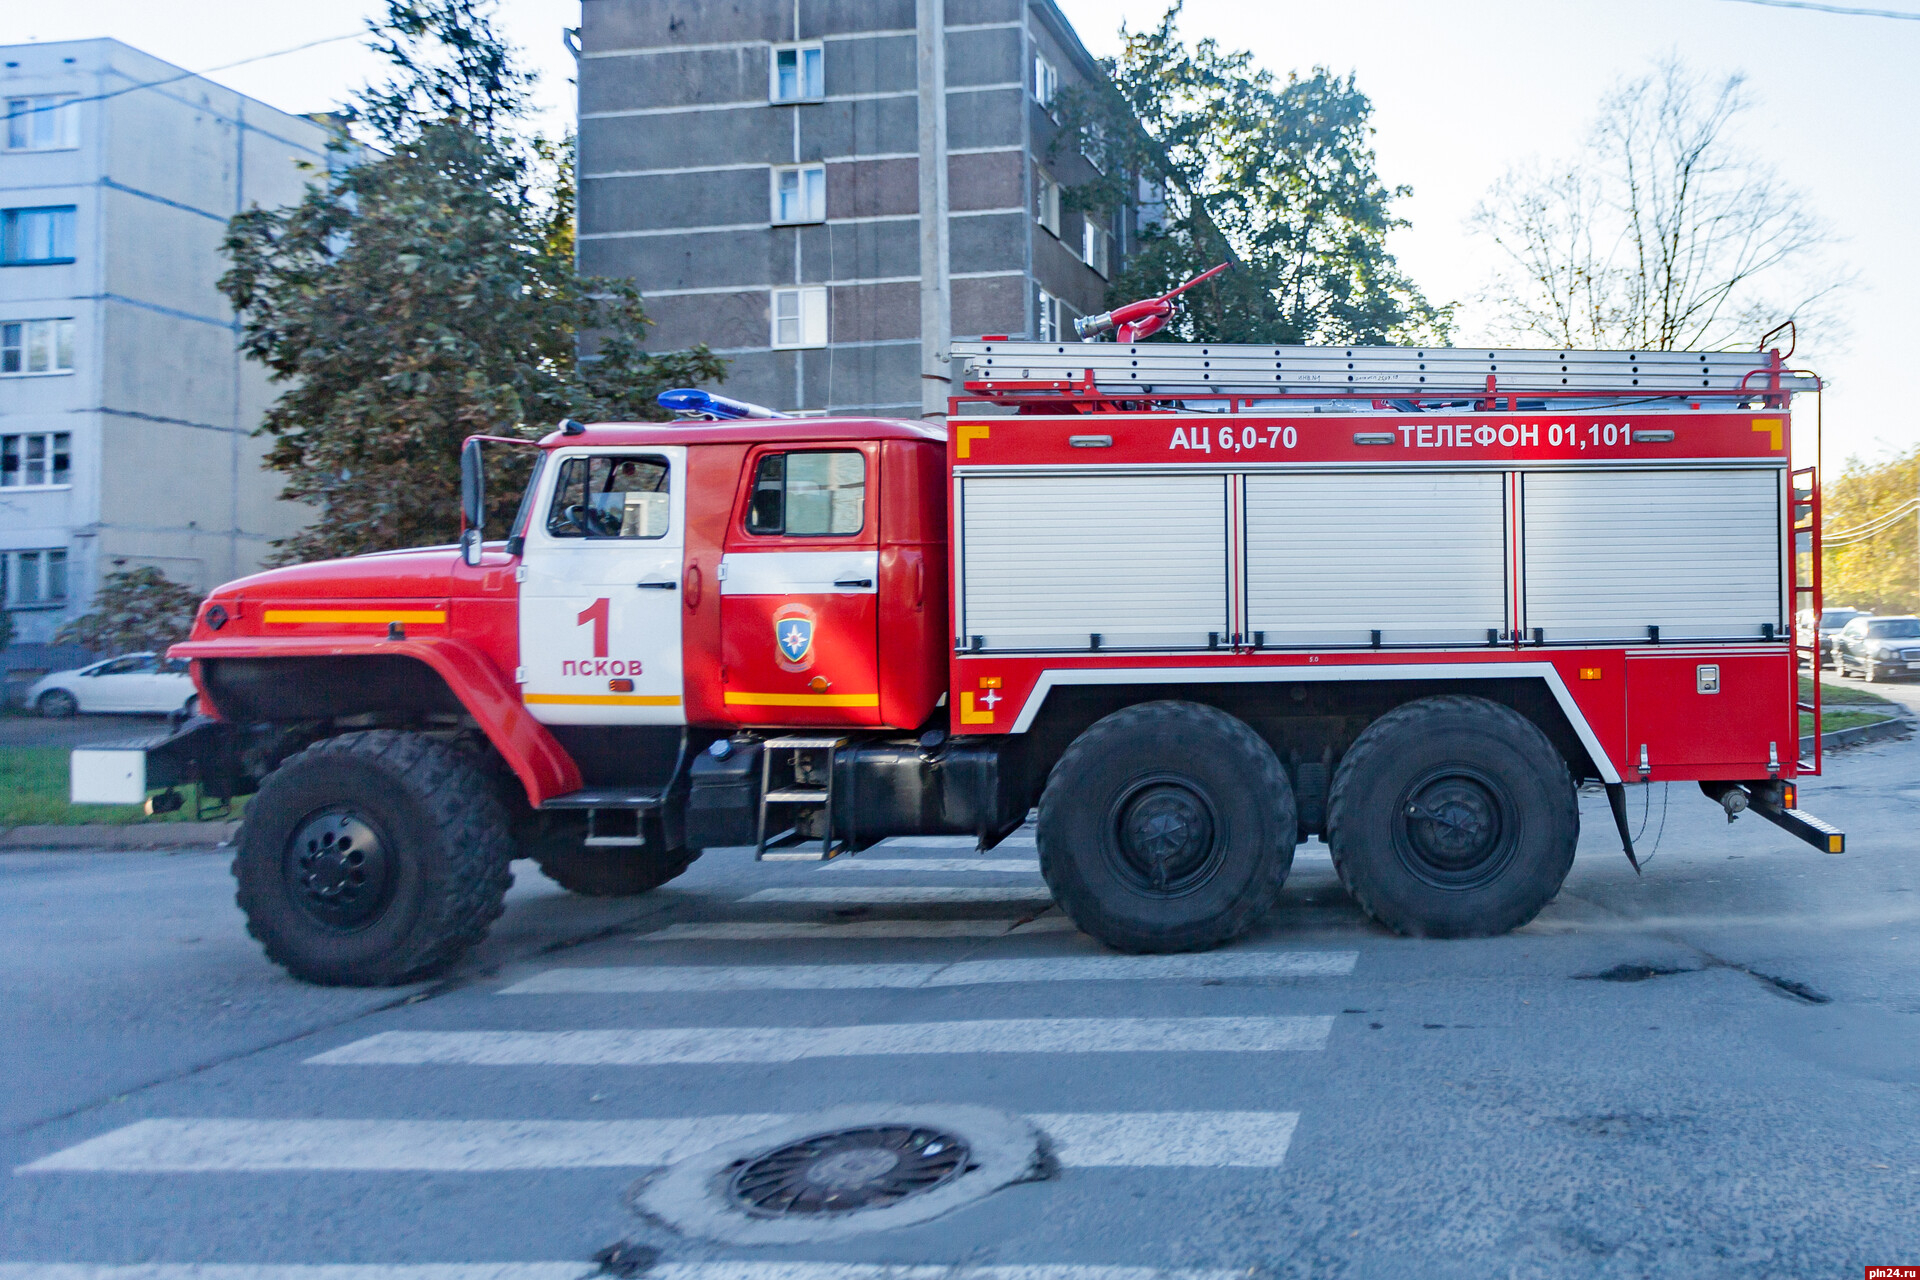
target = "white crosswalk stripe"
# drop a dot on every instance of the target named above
(667, 1046)
(1003, 866)
(1202, 1139)
(832, 977)
(584, 1271)
(831, 930)
(900, 895)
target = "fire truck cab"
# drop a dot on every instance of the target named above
(1194, 603)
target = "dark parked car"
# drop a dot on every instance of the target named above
(1832, 618)
(1878, 648)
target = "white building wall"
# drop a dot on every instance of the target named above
(160, 405)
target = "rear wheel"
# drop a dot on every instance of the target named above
(1452, 817)
(57, 704)
(610, 872)
(1167, 826)
(372, 859)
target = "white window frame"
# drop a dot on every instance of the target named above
(18, 340)
(798, 318)
(1046, 205)
(24, 447)
(1046, 80)
(1052, 318)
(13, 565)
(60, 111)
(1096, 244)
(810, 191)
(807, 88)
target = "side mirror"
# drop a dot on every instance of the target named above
(473, 502)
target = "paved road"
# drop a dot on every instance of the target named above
(18, 730)
(1712, 1070)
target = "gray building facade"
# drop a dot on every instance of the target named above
(126, 408)
(827, 191)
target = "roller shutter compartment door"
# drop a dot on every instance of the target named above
(1333, 558)
(1610, 553)
(1048, 562)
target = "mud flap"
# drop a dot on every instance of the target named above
(1617, 801)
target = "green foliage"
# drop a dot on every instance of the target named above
(134, 610)
(1879, 573)
(1278, 177)
(424, 290)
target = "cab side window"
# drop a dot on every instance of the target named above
(610, 497)
(810, 494)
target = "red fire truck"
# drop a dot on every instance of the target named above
(1195, 603)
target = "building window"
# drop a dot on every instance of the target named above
(1095, 244)
(36, 346)
(1046, 81)
(35, 461)
(36, 235)
(1047, 208)
(42, 124)
(800, 317)
(799, 73)
(800, 194)
(35, 579)
(1054, 317)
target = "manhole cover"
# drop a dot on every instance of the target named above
(848, 1170)
(843, 1172)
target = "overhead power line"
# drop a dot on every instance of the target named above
(189, 75)
(1845, 10)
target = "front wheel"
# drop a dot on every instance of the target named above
(372, 859)
(57, 704)
(1452, 817)
(1167, 826)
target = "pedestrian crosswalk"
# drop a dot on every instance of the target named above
(1172, 1139)
(592, 1271)
(770, 1017)
(1220, 965)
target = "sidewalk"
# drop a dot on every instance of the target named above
(103, 838)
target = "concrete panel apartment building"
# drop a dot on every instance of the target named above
(126, 409)
(760, 169)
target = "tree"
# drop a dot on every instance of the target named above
(424, 290)
(1660, 234)
(1277, 177)
(1873, 559)
(134, 610)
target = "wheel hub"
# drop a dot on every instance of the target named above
(338, 869)
(848, 1170)
(1165, 835)
(1452, 829)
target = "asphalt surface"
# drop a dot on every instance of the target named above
(21, 730)
(1709, 1070)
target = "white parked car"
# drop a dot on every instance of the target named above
(133, 682)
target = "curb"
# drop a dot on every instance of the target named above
(108, 838)
(1894, 726)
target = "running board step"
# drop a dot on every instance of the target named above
(609, 798)
(796, 772)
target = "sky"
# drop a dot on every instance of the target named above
(1462, 90)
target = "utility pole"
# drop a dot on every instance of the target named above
(936, 297)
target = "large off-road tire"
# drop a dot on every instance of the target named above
(1452, 817)
(372, 859)
(616, 872)
(1167, 826)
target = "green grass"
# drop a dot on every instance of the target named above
(1835, 721)
(33, 792)
(1832, 694)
